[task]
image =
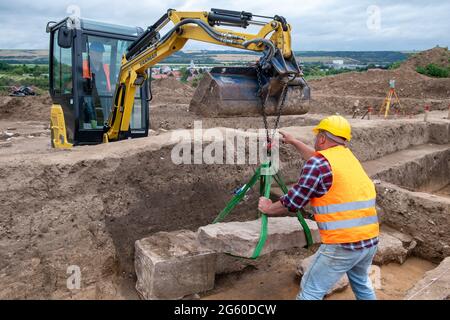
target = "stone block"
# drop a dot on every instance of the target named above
(393, 247)
(435, 285)
(240, 238)
(171, 266)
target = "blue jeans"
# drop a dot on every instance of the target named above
(328, 266)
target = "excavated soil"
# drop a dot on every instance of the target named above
(89, 205)
(409, 83)
(335, 94)
(429, 174)
(396, 280)
(170, 91)
(339, 93)
(280, 282)
(31, 108)
(445, 192)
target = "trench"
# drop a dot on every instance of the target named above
(87, 207)
(280, 282)
(420, 178)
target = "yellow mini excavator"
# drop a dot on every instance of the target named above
(100, 81)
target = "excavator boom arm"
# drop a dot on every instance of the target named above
(151, 49)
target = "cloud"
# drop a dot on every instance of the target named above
(317, 25)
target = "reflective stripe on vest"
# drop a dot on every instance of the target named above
(347, 212)
(333, 208)
(107, 74)
(346, 224)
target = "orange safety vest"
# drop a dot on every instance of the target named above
(88, 75)
(347, 213)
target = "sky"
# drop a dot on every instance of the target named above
(324, 25)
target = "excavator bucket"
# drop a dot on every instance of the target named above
(235, 92)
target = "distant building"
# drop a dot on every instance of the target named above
(159, 76)
(165, 70)
(170, 74)
(176, 74)
(338, 62)
(338, 66)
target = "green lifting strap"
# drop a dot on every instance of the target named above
(264, 220)
(265, 187)
(238, 198)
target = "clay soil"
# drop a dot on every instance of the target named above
(335, 94)
(279, 282)
(25, 108)
(445, 192)
(24, 132)
(375, 82)
(339, 93)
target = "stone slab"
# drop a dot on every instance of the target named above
(435, 285)
(240, 238)
(171, 266)
(394, 246)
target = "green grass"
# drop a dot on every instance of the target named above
(395, 65)
(23, 75)
(433, 70)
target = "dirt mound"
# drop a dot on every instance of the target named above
(33, 108)
(169, 83)
(438, 56)
(409, 84)
(171, 91)
(330, 95)
(37, 108)
(413, 88)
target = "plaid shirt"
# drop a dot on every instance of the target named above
(315, 181)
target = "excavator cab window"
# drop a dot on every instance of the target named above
(62, 68)
(100, 71)
(101, 65)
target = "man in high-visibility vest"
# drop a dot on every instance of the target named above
(98, 70)
(343, 200)
(98, 74)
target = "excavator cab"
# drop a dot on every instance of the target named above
(85, 60)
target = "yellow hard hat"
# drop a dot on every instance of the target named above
(336, 125)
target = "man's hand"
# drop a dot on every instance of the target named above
(264, 205)
(287, 138)
(306, 151)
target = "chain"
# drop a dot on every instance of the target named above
(280, 109)
(263, 106)
(263, 103)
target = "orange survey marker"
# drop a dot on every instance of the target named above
(368, 113)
